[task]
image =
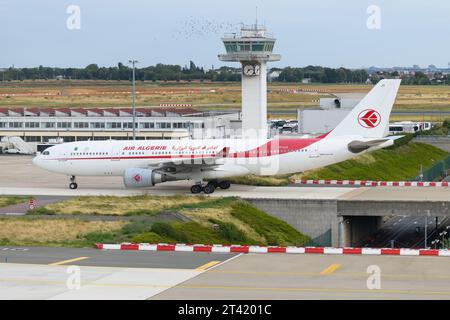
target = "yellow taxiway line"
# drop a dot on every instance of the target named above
(329, 270)
(59, 263)
(208, 265)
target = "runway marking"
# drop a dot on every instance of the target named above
(67, 261)
(240, 288)
(329, 270)
(340, 274)
(208, 265)
(323, 290)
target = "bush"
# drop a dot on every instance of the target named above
(275, 231)
(136, 227)
(167, 230)
(100, 237)
(402, 141)
(149, 237)
(194, 232)
(41, 211)
(229, 233)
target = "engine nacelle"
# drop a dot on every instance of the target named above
(141, 178)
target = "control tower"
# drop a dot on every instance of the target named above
(253, 49)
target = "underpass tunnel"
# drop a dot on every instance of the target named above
(352, 229)
(397, 231)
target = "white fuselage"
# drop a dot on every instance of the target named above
(206, 159)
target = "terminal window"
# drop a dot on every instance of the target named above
(97, 125)
(64, 125)
(81, 125)
(114, 125)
(31, 124)
(15, 124)
(147, 125)
(128, 125)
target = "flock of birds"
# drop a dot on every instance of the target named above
(194, 27)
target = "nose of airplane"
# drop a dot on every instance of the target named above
(36, 161)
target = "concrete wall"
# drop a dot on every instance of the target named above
(396, 208)
(314, 218)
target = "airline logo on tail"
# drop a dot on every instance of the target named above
(369, 118)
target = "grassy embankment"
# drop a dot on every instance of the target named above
(10, 200)
(396, 163)
(210, 220)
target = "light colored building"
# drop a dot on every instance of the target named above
(317, 121)
(38, 125)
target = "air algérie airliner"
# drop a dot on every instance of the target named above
(145, 163)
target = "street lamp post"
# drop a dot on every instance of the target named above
(442, 234)
(133, 63)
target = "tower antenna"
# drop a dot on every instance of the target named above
(256, 25)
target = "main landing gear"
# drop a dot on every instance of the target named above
(73, 185)
(210, 187)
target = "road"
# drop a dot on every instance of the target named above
(318, 277)
(95, 257)
(68, 273)
(45, 273)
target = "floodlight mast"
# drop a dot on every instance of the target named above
(133, 63)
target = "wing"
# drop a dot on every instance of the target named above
(184, 163)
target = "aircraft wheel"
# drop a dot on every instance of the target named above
(196, 188)
(224, 184)
(209, 188)
(73, 186)
(214, 183)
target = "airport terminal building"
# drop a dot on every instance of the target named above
(40, 125)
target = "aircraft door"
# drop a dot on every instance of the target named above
(314, 150)
(116, 153)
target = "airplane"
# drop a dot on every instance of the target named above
(145, 163)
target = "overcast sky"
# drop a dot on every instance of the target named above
(326, 32)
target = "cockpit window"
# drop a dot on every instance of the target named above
(46, 153)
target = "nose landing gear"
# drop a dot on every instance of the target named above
(73, 185)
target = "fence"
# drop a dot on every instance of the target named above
(438, 171)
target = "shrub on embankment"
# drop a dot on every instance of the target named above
(206, 220)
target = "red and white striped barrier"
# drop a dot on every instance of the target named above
(175, 105)
(258, 249)
(367, 183)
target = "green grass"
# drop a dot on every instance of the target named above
(11, 200)
(275, 231)
(238, 222)
(278, 180)
(272, 230)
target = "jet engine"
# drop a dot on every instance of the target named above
(141, 178)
